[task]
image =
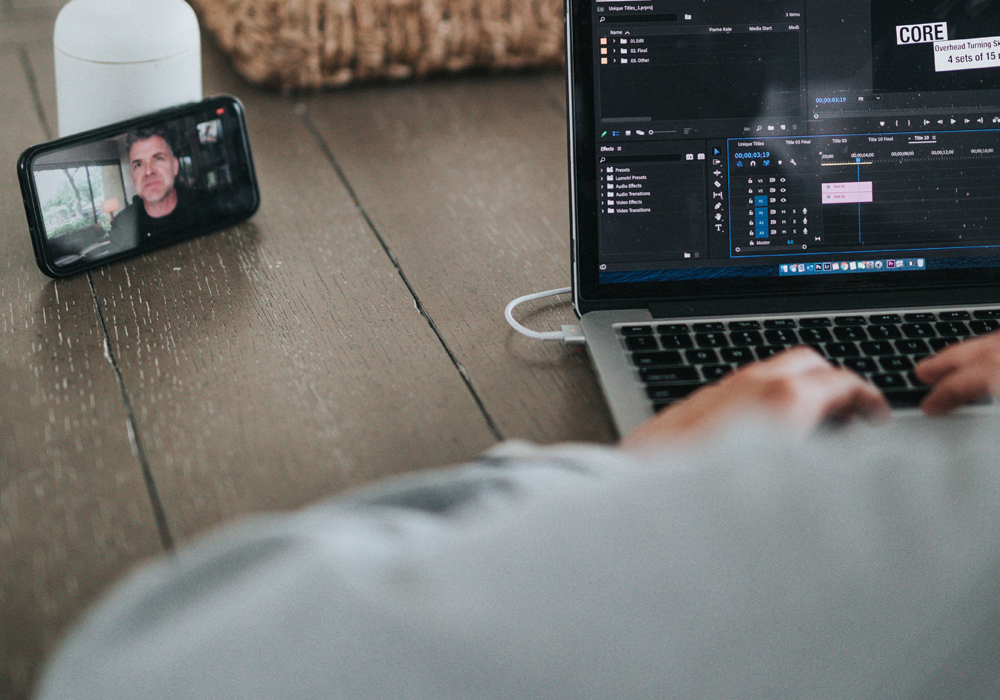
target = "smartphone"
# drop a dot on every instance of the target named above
(105, 194)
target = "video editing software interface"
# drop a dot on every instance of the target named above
(743, 138)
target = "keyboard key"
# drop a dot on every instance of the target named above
(839, 350)
(782, 336)
(780, 323)
(637, 343)
(702, 357)
(738, 356)
(657, 359)
(896, 363)
(850, 320)
(673, 328)
(854, 333)
(744, 325)
(708, 327)
(676, 342)
(890, 380)
(671, 392)
(636, 330)
(918, 330)
(905, 398)
(986, 314)
(713, 372)
(920, 318)
(711, 340)
(767, 351)
(912, 347)
(874, 348)
(668, 375)
(883, 319)
(815, 335)
(939, 344)
(861, 365)
(954, 315)
(954, 328)
(815, 322)
(746, 338)
(884, 332)
(981, 327)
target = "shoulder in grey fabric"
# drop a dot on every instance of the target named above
(859, 564)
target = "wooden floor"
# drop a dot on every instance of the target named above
(352, 329)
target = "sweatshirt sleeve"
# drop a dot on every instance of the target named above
(857, 564)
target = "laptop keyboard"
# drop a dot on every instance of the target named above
(674, 359)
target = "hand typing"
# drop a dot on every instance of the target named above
(962, 373)
(797, 387)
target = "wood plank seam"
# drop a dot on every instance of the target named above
(35, 94)
(159, 512)
(301, 111)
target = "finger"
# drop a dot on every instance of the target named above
(962, 387)
(796, 360)
(823, 389)
(805, 388)
(834, 393)
(772, 381)
(933, 369)
(856, 397)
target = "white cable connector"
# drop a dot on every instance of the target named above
(570, 334)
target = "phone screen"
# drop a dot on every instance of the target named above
(138, 185)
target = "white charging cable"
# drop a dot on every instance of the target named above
(570, 334)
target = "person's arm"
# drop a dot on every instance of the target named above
(963, 373)
(749, 564)
(797, 388)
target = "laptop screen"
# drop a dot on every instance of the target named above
(743, 146)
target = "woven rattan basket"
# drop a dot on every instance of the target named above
(324, 43)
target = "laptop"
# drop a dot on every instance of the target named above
(748, 175)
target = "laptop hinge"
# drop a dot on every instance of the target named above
(830, 302)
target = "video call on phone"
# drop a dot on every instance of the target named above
(156, 181)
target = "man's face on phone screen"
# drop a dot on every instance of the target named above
(153, 168)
